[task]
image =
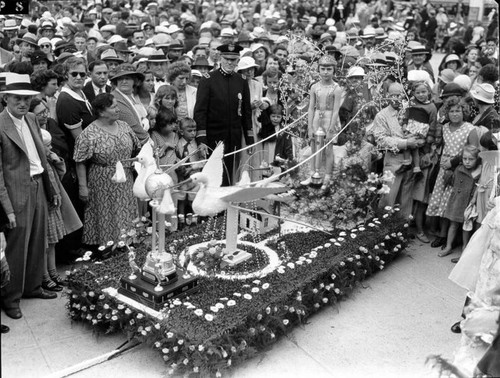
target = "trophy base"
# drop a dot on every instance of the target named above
(151, 278)
(235, 257)
(144, 292)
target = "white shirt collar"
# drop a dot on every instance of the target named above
(17, 122)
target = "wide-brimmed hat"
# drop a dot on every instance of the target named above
(28, 38)
(418, 49)
(257, 46)
(227, 32)
(244, 37)
(380, 33)
(10, 25)
(44, 41)
(201, 62)
(369, 32)
(48, 25)
(325, 37)
(447, 75)
(39, 56)
(127, 69)
(176, 44)
(452, 89)
(355, 71)
(484, 92)
(453, 58)
(350, 51)
(108, 28)
(158, 57)
(245, 63)
(18, 84)
(110, 54)
(376, 59)
(114, 39)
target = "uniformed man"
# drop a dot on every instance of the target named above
(222, 111)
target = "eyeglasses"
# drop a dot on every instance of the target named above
(75, 74)
(43, 113)
(45, 46)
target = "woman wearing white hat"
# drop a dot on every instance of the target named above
(484, 98)
(246, 68)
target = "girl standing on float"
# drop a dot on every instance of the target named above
(324, 104)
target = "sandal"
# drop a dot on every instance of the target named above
(438, 242)
(51, 286)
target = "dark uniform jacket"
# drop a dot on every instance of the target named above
(223, 111)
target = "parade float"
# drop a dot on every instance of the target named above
(211, 295)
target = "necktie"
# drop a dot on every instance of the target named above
(101, 90)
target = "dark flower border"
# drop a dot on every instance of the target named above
(229, 321)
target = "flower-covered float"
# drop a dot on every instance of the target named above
(339, 239)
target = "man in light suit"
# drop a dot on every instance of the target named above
(25, 191)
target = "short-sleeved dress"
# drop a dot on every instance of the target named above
(111, 206)
(454, 142)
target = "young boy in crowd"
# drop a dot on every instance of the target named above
(187, 145)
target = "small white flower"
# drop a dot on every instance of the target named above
(342, 233)
(170, 335)
(286, 321)
(165, 350)
(247, 296)
(140, 316)
(255, 289)
(353, 236)
(214, 308)
(291, 265)
(220, 306)
(198, 312)
(337, 291)
(265, 286)
(231, 303)
(237, 294)
(338, 244)
(327, 245)
(209, 317)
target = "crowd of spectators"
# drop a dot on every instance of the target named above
(107, 78)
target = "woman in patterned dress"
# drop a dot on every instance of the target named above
(456, 134)
(110, 207)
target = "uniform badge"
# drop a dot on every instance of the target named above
(206, 75)
(230, 48)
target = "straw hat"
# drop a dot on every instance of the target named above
(110, 54)
(18, 84)
(484, 92)
(10, 25)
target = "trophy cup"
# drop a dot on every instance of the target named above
(319, 141)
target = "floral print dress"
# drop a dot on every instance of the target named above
(454, 142)
(111, 206)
